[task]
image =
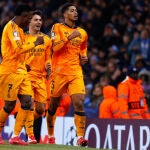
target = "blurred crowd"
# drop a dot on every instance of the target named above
(119, 37)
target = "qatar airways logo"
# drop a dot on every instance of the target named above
(118, 134)
(120, 137)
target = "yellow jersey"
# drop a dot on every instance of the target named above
(39, 55)
(13, 48)
(66, 54)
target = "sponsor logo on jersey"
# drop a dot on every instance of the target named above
(53, 35)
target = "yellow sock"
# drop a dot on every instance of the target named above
(50, 123)
(3, 117)
(20, 121)
(80, 124)
(29, 123)
(36, 115)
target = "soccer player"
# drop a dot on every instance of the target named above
(69, 52)
(38, 63)
(14, 81)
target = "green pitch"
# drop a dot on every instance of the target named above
(42, 147)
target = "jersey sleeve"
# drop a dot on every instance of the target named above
(48, 52)
(16, 37)
(83, 47)
(58, 40)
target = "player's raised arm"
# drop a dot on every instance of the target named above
(18, 43)
(58, 41)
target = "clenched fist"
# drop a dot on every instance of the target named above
(28, 67)
(83, 59)
(39, 40)
(48, 70)
(74, 34)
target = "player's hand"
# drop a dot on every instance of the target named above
(48, 70)
(28, 67)
(48, 66)
(39, 40)
(74, 34)
(83, 59)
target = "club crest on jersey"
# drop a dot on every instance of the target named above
(53, 35)
(16, 36)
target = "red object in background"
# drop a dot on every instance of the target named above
(15, 110)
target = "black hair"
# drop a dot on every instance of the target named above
(22, 8)
(64, 7)
(37, 12)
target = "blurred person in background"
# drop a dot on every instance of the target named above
(94, 76)
(104, 80)
(124, 59)
(140, 46)
(110, 37)
(131, 97)
(145, 77)
(147, 23)
(131, 26)
(91, 105)
(141, 64)
(109, 107)
(114, 72)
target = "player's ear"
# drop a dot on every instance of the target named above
(65, 15)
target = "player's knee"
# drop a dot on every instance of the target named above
(40, 110)
(78, 104)
(8, 109)
(26, 102)
(51, 112)
(9, 106)
(54, 104)
(78, 107)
